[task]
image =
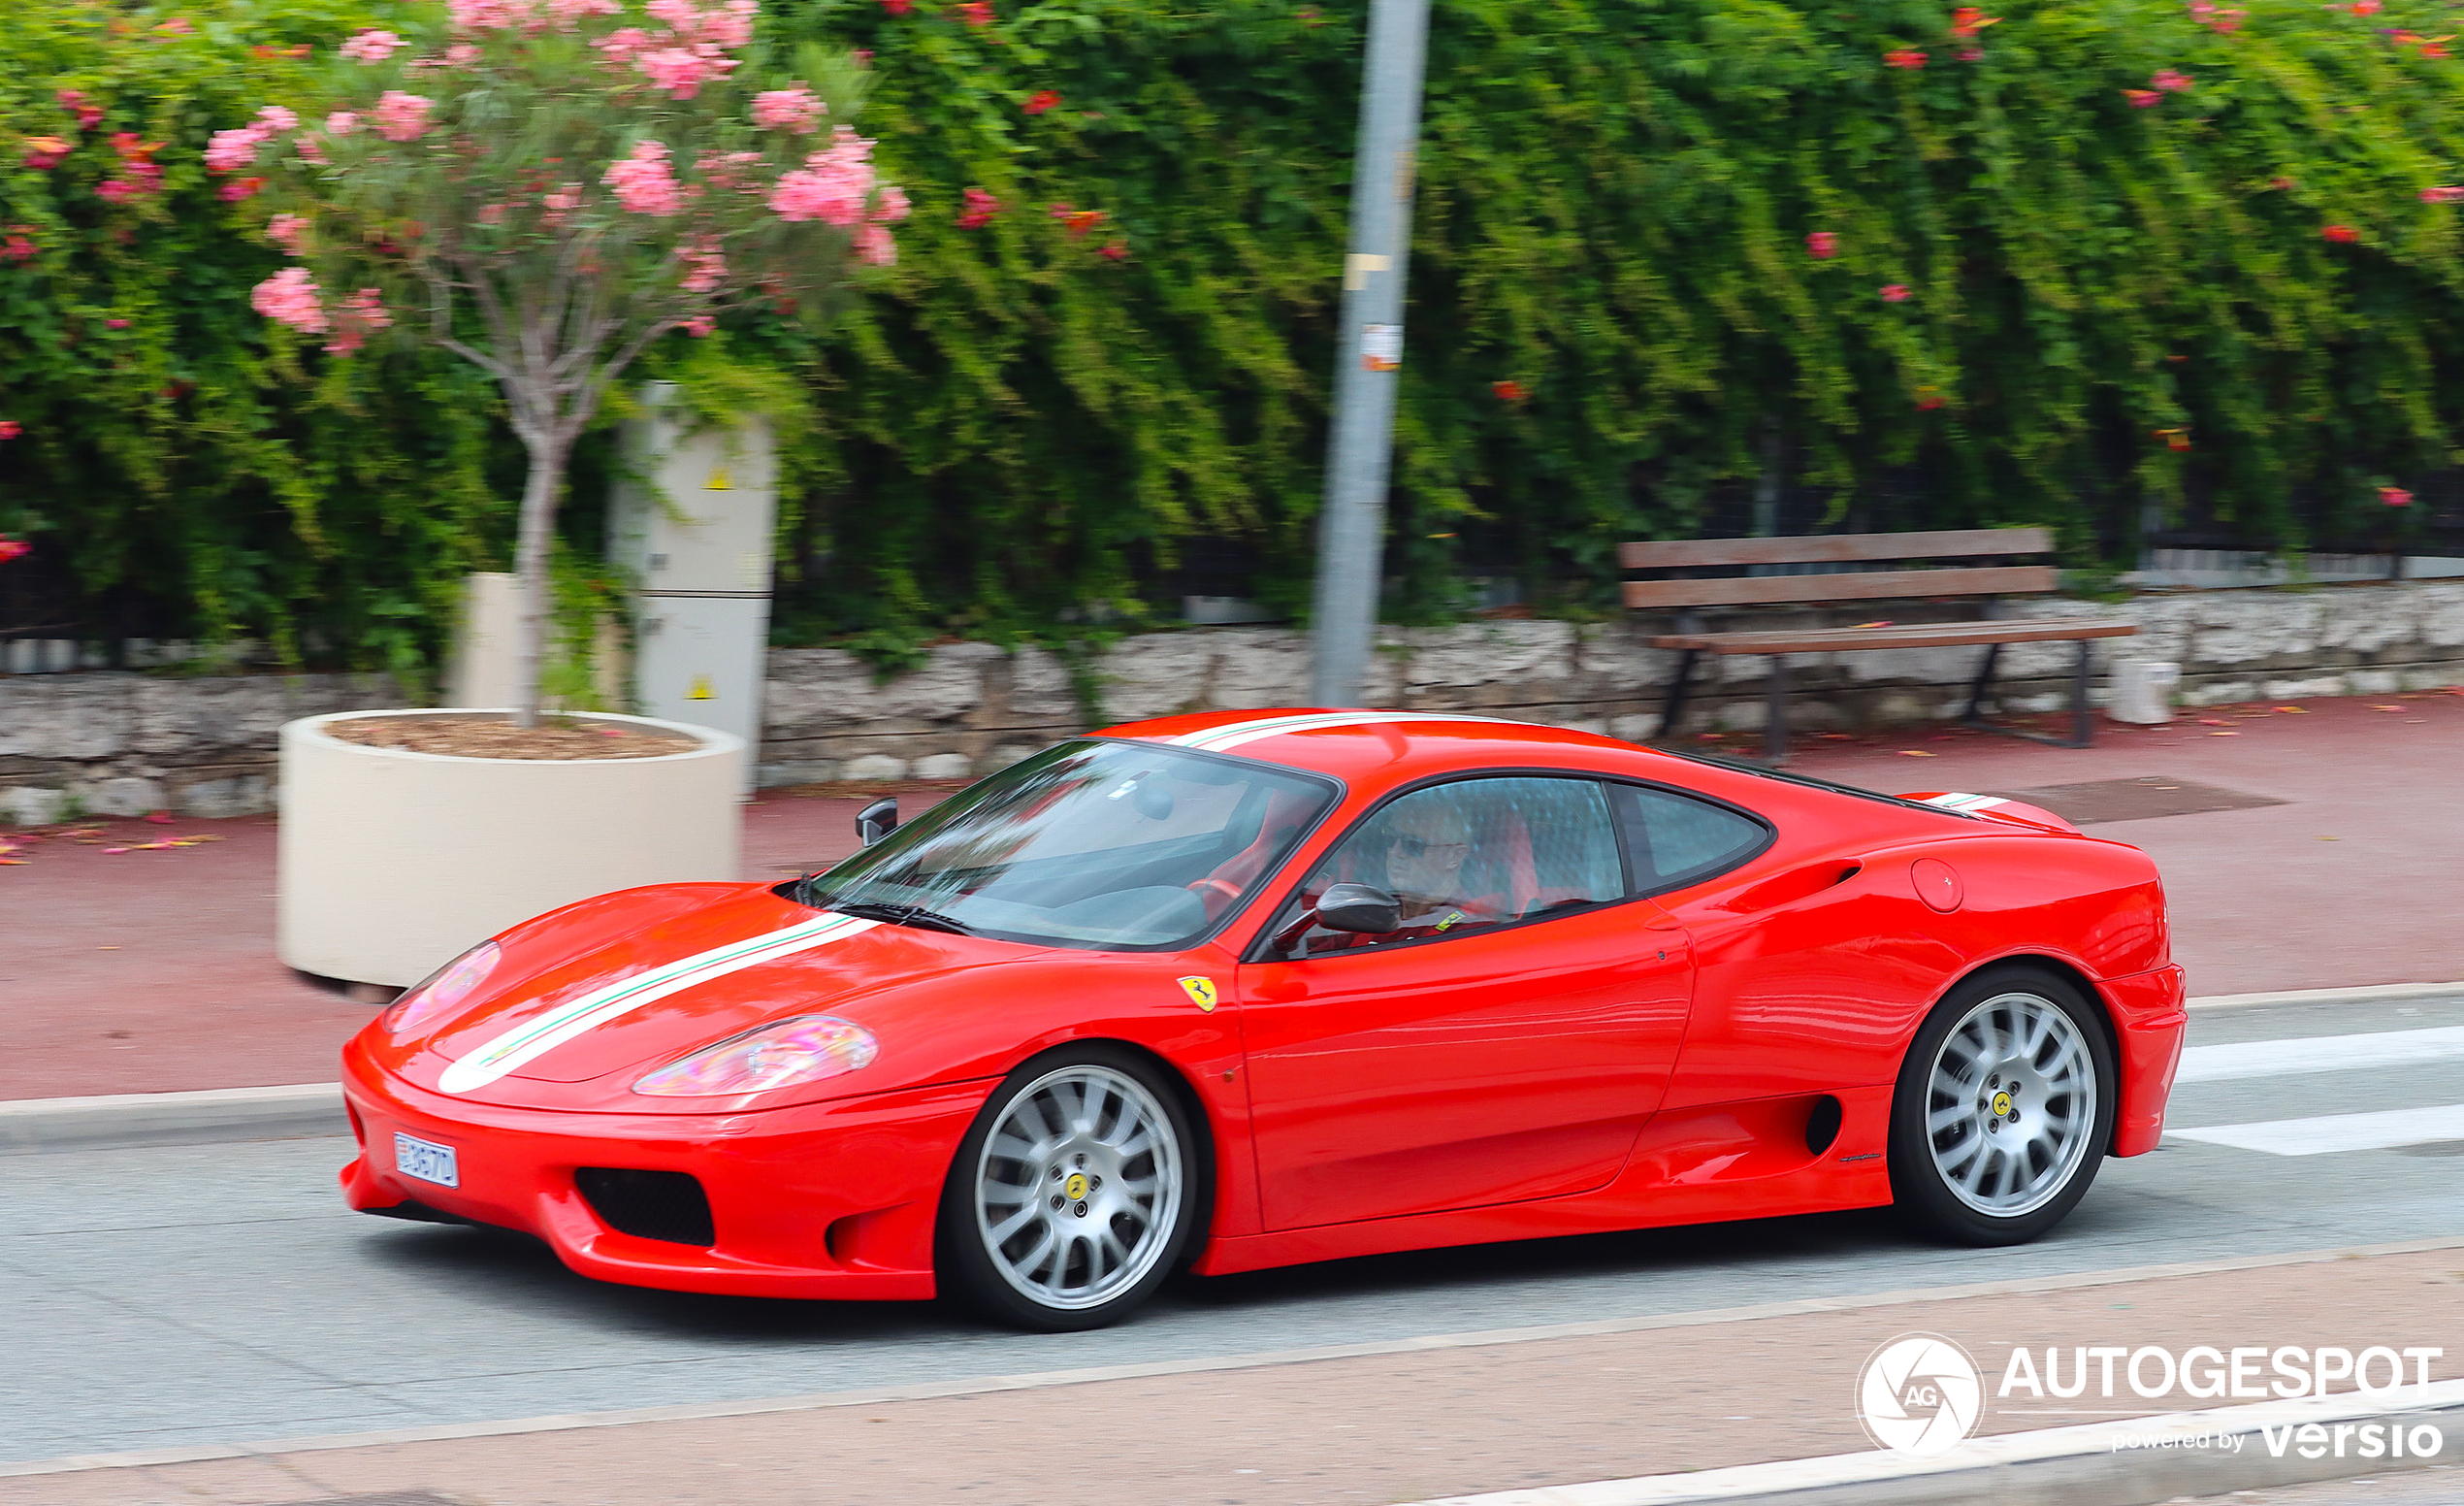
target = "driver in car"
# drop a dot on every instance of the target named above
(1427, 843)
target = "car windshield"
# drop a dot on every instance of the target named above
(1104, 845)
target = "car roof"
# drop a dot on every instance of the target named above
(1378, 750)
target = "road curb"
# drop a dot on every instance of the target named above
(2055, 1466)
(128, 1119)
(123, 1120)
(2367, 994)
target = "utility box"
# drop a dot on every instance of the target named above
(2143, 691)
(691, 519)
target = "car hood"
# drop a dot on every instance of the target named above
(607, 989)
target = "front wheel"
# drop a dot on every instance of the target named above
(1073, 1193)
(2003, 1109)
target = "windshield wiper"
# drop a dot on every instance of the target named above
(915, 915)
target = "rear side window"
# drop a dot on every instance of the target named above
(1672, 837)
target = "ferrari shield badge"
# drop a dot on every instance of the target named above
(1201, 992)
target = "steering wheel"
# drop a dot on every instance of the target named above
(1214, 893)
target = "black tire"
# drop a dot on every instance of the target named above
(975, 1269)
(2004, 1191)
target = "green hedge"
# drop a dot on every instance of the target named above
(2236, 298)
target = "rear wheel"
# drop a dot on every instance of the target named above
(2003, 1109)
(1072, 1194)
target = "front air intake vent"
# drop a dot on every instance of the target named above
(669, 1205)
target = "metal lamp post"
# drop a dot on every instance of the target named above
(1368, 355)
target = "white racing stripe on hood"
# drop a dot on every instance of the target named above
(1219, 739)
(534, 1038)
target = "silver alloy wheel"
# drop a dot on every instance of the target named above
(1078, 1188)
(2011, 1104)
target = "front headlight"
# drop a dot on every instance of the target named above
(779, 1054)
(427, 1003)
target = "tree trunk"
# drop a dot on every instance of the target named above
(530, 567)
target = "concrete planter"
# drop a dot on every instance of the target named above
(392, 861)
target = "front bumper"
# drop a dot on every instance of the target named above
(2149, 1024)
(832, 1199)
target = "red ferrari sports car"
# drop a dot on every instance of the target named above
(1234, 990)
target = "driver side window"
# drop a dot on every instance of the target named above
(1469, 854)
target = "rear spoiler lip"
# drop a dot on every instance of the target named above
(1996, 808)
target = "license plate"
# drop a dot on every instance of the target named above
(429, 1163)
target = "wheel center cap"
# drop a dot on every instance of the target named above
(2002, 1105)
(1075, 1188)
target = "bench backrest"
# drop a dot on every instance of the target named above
(1839, 586)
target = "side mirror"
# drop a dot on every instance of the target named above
(878, 819)
(1361, 907)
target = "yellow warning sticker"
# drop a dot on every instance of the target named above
(701, 690)
(1201, 992)
(719, 482)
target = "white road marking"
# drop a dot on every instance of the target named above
(2330, 1134)
(2302, 1055)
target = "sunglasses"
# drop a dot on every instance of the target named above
(1421, 847)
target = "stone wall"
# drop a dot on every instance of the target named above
(116, 743)
(974, 708)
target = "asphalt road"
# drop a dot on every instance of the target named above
(221, 1293)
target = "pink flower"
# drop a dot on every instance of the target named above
(1903, 57)
(342, 122)
(309, 149)
(363, 315)
(976, 13)
(1822, 244)
(889, 206)
(44, 152)
(290, 297)
(10, 429)
(2170, 80)
(231, 150)
(2142, 99)
(700, 324)
(570, 13)
(17, 247)
(460, 54)
(832, 186)
(117, 191)
(285, 231)
(2395, 495)
(625, 44)
(898, 7)
(88, 116)
(476, 15)
(558, 203)
(1894, 293)
(643, 183)
(371, 46)
(2342, 235)
(1040, 101)
(979, 209)
(2364, 7)
(115, 324)
(2441, 195)
(276, 119)
(240, 188)
(682, 71)
(178, 27)
(874, 245)
(798, 110)
(12, 548)
(1120, 251)
(400, 117)
(706, 267)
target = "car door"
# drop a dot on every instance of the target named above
(1507, 1044)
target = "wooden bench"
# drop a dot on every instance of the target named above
(1982, 582)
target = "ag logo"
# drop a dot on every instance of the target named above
(1920, 1395)
(1201, 992)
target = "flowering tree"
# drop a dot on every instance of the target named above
(545, 186)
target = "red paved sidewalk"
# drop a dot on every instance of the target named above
(153, 970)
